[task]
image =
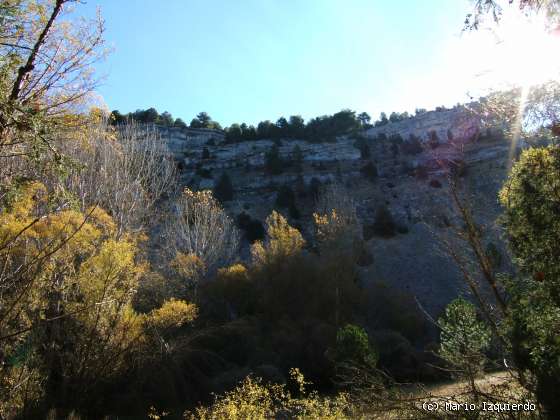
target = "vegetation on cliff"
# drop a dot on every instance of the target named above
(122, 295)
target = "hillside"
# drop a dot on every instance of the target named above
(378, 168)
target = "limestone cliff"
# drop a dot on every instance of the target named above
(412, 186)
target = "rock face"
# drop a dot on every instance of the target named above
(179, 140)
(411, 185)
(449, 124)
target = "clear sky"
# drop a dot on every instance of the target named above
(251, 60)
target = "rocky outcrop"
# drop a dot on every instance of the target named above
(411, 185)
(449, 124)
(180, 140)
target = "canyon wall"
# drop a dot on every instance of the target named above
(449, 124)
(413, 186)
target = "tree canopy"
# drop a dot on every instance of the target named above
(152, 116)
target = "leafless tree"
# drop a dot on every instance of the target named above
(47, 71)
(199, 226)
(126, 171)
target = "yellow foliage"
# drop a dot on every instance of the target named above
(201, 197)
(337, 233)
(328, 225)
(283, 241)
(71, 260)
(235, 271)
(27, 237)
(104, 222)
(312, 406)
(173, 314)
(250, 400)
(189, 266)
(97, 114)
(110, 273)
(27, 199)
(257, 401)
(124, 330)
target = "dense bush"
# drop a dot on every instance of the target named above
(353, 346)
(532, 221)
(464, 338)
(254, 399)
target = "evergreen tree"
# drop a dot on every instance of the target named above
(180, 123)
(273, 162)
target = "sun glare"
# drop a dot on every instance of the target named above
(524, 54)
(520, 51)
(529, 55)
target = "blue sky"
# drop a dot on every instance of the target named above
(250, 60)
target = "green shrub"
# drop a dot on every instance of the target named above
(532, 212)
(532, 220)
(223, 191)
(464, 338)
(353, 346)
